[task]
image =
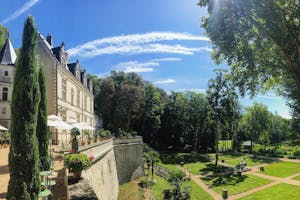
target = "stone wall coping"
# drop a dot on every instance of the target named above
(84, 148)
(101, 154)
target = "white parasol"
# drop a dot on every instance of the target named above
(2, 128)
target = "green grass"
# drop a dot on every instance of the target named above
(277, 192)
(235, 159)
(131, 190)
(297, 178)
(282, 169)
(197, 193)
(168, 166)
(235, 184)
(224, 145)
(195, 168)
(159, 186)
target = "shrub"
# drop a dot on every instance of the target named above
(77, 162)
(150, 154)
(296, 153)
(176, 175)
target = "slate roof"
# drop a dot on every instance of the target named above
(56, 52)
(8, 55)
(72, 67)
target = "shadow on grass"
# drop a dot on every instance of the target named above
(212, 169)
(225, 180)
(258, 159)
(176, 158)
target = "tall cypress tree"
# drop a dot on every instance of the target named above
(24, 180)
(42, 132)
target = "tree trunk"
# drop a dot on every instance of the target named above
(217, 144)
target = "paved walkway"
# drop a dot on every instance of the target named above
(254, 171)
(4, 171)
(59, 190)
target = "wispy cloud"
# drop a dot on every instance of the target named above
(138, 44)
(166, 59)
(165, 81)
(196, 90)
(138, 69)
(19, 12)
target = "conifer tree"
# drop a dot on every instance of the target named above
(24, 180)
(42, 131)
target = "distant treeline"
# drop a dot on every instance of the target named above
(186, 121)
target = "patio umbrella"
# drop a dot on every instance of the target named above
(60, 125)
(2, 128)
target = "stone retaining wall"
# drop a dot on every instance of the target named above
(116, 161)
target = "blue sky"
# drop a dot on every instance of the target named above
(160, 39)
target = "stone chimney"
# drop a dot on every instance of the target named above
(49, 39)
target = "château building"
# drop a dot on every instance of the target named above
(68, 87)
(7, 72)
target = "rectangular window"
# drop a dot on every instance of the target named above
(4, 110)
(64, 89)
(85, 102)
(6, 73)
(72, 96)
(4, 93)
(78, 98)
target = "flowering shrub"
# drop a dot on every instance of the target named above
(77, 162)
(72, 151)
(91, 158)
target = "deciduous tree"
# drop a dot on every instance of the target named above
(260, 41)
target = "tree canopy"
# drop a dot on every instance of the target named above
(260, 41)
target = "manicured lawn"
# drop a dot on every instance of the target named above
(195, 167)
(197, 193)
(159, 186)
(235, 184)
(282, 169)
(297, 178)
(168, 166)
(131, 190)
(277, 192)
(236, 159)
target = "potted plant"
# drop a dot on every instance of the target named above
(101, 134)
(95, 137)
(87, 133)
(74, 133)
(76, 163)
